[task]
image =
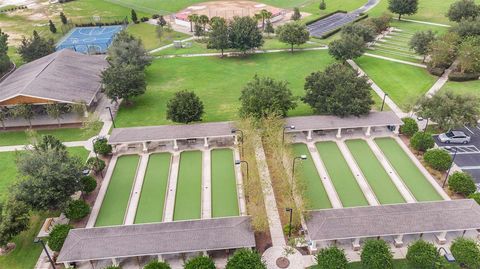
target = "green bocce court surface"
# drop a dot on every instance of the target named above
(378, 179)
(342, 178)
(224, 184)
(154, 188)
(188, 198)
(114, 205)
(416, 182)
(315, 193)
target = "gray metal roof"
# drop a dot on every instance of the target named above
(413, 218)
(158, 238)
(170, 132)
(64, 76)
(327, 122)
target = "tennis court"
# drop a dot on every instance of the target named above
(224, 184)
(89, 40)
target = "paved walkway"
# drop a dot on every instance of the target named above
(136, 191)
(272, 254)
(395, 60)
(236, 53)
(170, 45)
(441, 81)
(426, 22)
(240, 190)
(206, 185)
(172, 188)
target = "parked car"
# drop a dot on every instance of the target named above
(454, 137)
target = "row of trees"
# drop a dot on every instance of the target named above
(4, 59)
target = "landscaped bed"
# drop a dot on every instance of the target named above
(378, 179)
(413, 178)
(224, 184)
(152, 199)
(188, 198)
(114, 205)
(342, 178)
(315, 193)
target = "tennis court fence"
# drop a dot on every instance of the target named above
(94, 21)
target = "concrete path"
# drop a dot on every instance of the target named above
(236, 53)
(428, 23)
(242, 204)
(402, 188)
(362, 182)
(22, 147)
(136, 191)
(169, 45)
(395, 60)
(322, 171)
(172, 188)
(207, 185)
(441, 81)
(271, 255)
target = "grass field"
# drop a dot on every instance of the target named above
(147, 33)
(342, 178)
(315, 193)
(397, 264)
(114, 205)
(467, 87)
(378, 179)
(188, 198)
(416, 182)
(152, 199)
(224, 184)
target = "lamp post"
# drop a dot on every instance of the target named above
(290, 223)
(448, 256)
(451, 164)
(234, 131)
(38, 240)
(383, 102)
(291, 127)
(301, 157)
(111, 116)
(239, 162)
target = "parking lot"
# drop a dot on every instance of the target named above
(468, 156)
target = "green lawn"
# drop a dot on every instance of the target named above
(415, 181)
(224, 184)
(342, 177)
(114, 206)
(397, 264)
(206, 76)
(188, 198)
(403, 83)
(147, 33)
(9, 172)
(378, 179)
(152, 199)
(315, 193)
(467, 87)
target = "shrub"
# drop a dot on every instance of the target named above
(157, 265)
(57, 236)
(245, 259)
(438, 159)
(462, 183)
(422, 141)
(376, 255)
(475, 196)
(466, 252)
(436, 71)
(421, 255)
(200, 262)
(95, 164)
(459, 76)
(102, 147)
(185, 107)
(155, 16)
(88, 184)
(144, 19)
(409, 127)
(331, 258)
(77, 209)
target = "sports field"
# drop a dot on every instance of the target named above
(342, 178)
(114, 205)
(89, 39)
(152, 198)
(416, 182)
(378, 179)
(315, 193)
(224, 184)
(188, 198)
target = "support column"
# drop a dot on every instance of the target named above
(205, 143)
(397, 129)
(369, 129)
(85, 112)
(175, 145)
(205, 253)
(356, 244)
(313, 246)
(67, 265)
(309, 135)
(145, 148)
(235, 140)
(441, 238)
(398, 241)
(160, 258)
(114, 262)
(114, 149)
(339, 133)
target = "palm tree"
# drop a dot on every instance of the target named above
(257, 17)
(203, 20)
(266, 15)
(192, 18)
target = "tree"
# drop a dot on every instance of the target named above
(443, 50)
(161, 21)
(322, 5)
(245, 259)
(438, 159)
(296, 14)
(4, 59)
(475, 196)
(35, 47)
(63, 18)
(293, 34)
(128, 50)
(218, 35)
(203, 20)
(55, 111)
(269, 28)
(77, 209)
(24, 111)
(4, 115)
(347, 47)
(403, 7)
(200, 262)
(422, 141)
(198, 30)
(409, 127)
(469, 55)
(192, 18)
(365, 31)
(422, 255)
(463, 10)
(14, 219)
(157, 265)
(376, 255)
(134, 16)
(381, 23)
(461, 182)
(467, 28)
(185, 107)
(102, 147)
(466, 252)
(52, 27)
(123, 82)
(339, 91)
(57, 236)
(331, 258)
(88, 183)
(95, 164)
(244, 34)
(449, 109)
(263, 96)
(266, 16)
(421, 41)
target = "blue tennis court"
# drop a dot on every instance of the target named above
(90, 40)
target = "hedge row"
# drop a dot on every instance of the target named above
(89, 24)
(459, 76)
(64, 1)
(12, 9)
(325, 16)
(436, 71)
(362, 17)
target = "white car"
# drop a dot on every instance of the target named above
(454, 137)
